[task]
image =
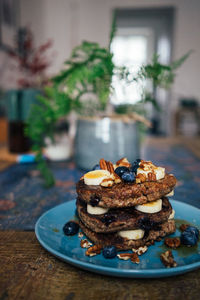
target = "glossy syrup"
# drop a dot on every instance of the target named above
(183, 250)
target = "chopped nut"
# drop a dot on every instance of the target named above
(107, 182)
(80, 234)
(140, 250)
(135, 259)
(183, 227)
(140, 178)
(124, 256)
(151, 176)
(85, 244)
(117, 179)
(172, 242)
(123, 162)
(168, 259)
(94, 250)
(132, 256)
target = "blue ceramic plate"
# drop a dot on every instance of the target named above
(49, 233)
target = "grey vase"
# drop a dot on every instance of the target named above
(106, 138)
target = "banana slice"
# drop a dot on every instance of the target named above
(160, 173)
(170, 194)
(172, 215)
(95, 177)
(136, 234)
(149, 167)
(96, 210)
(150, 207)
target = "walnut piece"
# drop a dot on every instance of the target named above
(168, 259)
(172, 242)
(85, 244)
(94, 250)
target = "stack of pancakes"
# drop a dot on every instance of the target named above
(112, 214)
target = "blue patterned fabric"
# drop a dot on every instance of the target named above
(23, 198)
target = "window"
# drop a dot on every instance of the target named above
(131, 48)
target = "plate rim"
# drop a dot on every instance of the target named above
(137, 273)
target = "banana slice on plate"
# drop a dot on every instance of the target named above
(96, 210)
(150, 207)
(135, 234)
(95, 177)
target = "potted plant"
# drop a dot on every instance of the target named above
(29, 64)
(85, 86)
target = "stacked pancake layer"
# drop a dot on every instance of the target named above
(126, 215)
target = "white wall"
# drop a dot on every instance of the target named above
(68, 22)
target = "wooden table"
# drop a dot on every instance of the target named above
(30, 272)
(27, 271)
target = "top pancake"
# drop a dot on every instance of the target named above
(125, 194)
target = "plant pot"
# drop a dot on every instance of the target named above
(18, 104)
(108, 138)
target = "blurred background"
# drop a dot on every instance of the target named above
(168, 28)
(109, 79)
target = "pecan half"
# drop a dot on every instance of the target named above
(124, 256)
(107, 182)
(85, 244)
(183, 227)
(168, 259)
(110, 167)
(132, 256)
(140, 178)
(94, 250)
(140, 250)
(172, 242)
(151, 176)
(135, 259)
(102, 164)
(123, 162)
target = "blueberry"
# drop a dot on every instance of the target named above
(135, 165)
(96, 167)
(128, 176)
(190, 236)
(120, 171)
(193, 230)
(109, 252)
(70, 228)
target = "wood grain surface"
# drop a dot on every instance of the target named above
(27, 271)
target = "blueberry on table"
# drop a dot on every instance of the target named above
(70, 228)
(121, 170)
(109, 252)
(128, 177)
(190, 236)
(96, 167)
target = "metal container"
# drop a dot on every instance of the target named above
(106, 138)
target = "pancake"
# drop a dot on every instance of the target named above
(125, 244)
(122, 218)
(125, 194)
